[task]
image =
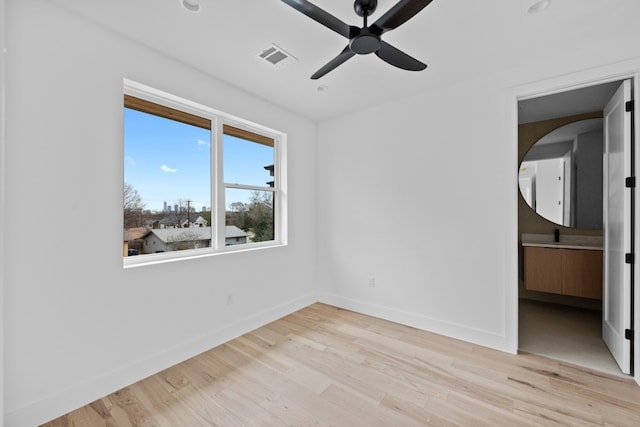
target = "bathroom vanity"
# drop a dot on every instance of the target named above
(567, 268)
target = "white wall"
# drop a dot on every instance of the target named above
(421, 194)
(79, 326)
(417, 198)
(2, 185)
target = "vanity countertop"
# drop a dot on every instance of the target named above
(593, 243)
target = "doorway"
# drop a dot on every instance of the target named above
(556, 320)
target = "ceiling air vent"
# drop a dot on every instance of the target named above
(277, 56)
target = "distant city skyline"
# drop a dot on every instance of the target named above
(169, 161)
(167, 207)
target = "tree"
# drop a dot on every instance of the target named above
(133, 207)
(181, 215)
(207, 216)
(260, 215)
(237, 215)
(255, 217)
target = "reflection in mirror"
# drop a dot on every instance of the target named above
(560, 177)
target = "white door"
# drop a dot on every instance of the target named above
(616, 298)
(527, 186)
(566, 190)
(550, 189)
(527, 182)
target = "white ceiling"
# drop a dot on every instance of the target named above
(456, 38)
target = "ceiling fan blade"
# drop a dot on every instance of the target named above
(323, 17)
(398, 15)
(338, 60)
(399, 59)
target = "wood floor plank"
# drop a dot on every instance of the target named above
(324, 366)
(291, 413)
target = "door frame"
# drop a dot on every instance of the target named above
(550, 86)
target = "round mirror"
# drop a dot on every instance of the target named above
(560, 177)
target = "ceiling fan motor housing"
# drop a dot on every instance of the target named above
(365, 42)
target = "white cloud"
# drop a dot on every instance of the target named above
(202, 142)
(166, 168)
(130, 161)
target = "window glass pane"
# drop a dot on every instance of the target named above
(249, 216)
(247, 162)
(167, 193)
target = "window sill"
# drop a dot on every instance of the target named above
(166, 257)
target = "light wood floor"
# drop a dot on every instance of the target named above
(325, 366)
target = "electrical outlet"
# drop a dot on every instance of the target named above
(229, 299)
(372, 282)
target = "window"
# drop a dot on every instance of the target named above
(196, 181)
(249, 185)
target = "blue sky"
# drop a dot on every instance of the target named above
(165, 160)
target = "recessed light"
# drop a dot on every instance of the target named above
(191, 5)
(539, 6)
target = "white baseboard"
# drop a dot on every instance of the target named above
(419, 321)
(83, 393)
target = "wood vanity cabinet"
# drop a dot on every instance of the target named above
(576, 272)
(543, 269)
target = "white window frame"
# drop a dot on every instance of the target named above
(218, 186)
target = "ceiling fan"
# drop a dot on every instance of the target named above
(367, 39)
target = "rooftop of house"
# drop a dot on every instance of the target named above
(193, 233)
